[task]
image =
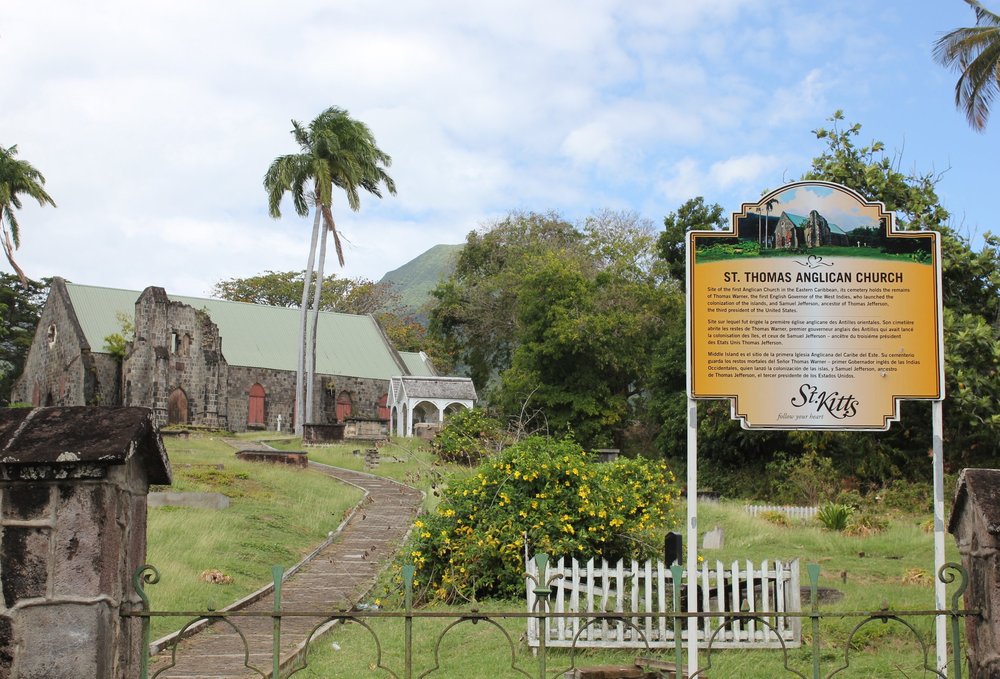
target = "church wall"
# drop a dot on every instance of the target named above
(279, 396)
(59, 368)
(176, 347)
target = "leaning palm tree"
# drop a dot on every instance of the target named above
(768, 206)
(17, 178)
(335, 150)
(975, 53)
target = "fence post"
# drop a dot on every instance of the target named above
(408, 572)
(542, 602)
(813, 571)
(277, 572)
(675, 574)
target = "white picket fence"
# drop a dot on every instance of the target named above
(647, 587)
(803, 513)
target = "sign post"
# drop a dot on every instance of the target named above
(812, 312)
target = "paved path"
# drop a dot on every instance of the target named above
(338, 577)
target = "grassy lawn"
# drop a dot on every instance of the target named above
(892, 567)
(276, 515)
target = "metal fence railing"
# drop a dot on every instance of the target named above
(537, 662)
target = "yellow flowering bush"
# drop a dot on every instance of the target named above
(561, 498)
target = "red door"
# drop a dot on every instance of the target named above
(255, 414)
(383, 410)
(343, 406)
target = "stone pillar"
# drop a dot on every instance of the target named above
(975, 523)
(73, 484)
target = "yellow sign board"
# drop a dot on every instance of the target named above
(813, 312)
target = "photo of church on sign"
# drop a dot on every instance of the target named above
(816, 218)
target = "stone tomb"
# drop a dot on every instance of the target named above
(73, 484)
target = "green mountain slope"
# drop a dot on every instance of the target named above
(415, 279)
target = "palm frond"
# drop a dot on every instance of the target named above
(975, 54)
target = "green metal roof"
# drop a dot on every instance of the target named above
(417, 363)
(257, 336)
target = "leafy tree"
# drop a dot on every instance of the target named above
(17, 178)
(335, 150)
(693, 215)
(557, 321)
(975, 54)
(20, 308)
(117, 343)
(474, 317)
(284, 289)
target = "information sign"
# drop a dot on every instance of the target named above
(813, 312)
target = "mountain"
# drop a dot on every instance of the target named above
(415, 279)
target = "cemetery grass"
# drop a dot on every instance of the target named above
(893, 567)
(277, 515)
(274, 521)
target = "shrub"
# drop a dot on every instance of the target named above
(906, 496)
(777, 518)
(551, 492)
(834, 516)
(865, 523)
(469, 437)
(808, 479)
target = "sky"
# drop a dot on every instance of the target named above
(154, 122)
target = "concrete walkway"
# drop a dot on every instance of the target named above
(338, 577)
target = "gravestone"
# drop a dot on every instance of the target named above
(73, 484)
(713, 539)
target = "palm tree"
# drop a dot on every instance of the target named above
(335, 150)
(975, 53)
(768, 206)
(17, 178)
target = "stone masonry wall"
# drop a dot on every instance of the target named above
(279, 389)
(176, 347)
(364, 392)
(279, 396)
(59, 368)
(69, 548)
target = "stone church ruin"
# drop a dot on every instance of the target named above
(206, 362)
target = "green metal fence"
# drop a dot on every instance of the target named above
(521, 660)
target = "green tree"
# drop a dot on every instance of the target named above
(474, 317)
(975, 54)
(335, 151)
(557, 321)
(17, 178)
(693, 215)
(20, 308)
(284, 289)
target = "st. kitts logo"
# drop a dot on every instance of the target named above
(833, 403)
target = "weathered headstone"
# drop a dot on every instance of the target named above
(713, 539)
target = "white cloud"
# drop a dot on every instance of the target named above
(155, 121)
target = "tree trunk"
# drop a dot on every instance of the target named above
(303, 317)
(311, 366)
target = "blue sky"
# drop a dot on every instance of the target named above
(155, 121)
